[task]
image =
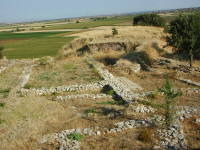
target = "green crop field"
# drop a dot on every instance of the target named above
(32, 45)
(92, 24)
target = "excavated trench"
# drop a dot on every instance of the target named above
(115, 46)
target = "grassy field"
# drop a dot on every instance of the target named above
(32, 45)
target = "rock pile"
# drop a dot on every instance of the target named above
(172, 137)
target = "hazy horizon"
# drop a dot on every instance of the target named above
(34, 10)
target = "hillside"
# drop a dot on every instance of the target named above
(100, 92)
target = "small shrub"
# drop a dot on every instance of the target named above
(1, 52)
(75, 136)
(2, 104)
(5, 92)
(145, 135)
(114, 31)
(149, 20)
(27, 86)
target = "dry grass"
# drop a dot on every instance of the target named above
(192, 132)
(121, 141)
(26, 120)
(139, 32)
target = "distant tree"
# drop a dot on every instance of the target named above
(185, 35)
(77, 21)
(114, 31)
(1, 52)
(18, 29)
(149, 20)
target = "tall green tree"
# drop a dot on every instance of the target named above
(149, 20)
(185, 35)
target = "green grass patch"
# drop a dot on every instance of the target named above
(44, 76)
(69, 67)
(75, 136)
(32, 45)
(2, 121)
(88, 111)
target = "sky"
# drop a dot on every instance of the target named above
(32, 10)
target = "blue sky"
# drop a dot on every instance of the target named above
(30, 10)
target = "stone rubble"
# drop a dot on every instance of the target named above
(197, 120)
(83, 96)
(172, 137)
(185, 112)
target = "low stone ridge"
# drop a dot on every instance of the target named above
(122, 86)
(83, 96)
(62, 137)
(190, 82)
(185, 91)
(60, 89)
